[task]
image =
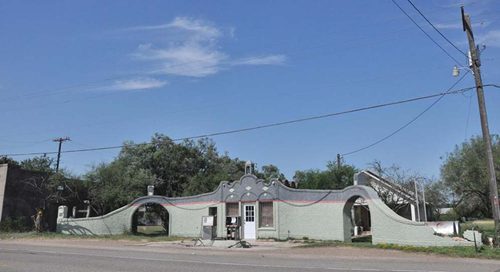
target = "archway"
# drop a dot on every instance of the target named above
(150, 219)
(357, 220)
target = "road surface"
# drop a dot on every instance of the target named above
(89, 255)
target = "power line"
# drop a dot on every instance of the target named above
(426, 34)
(437, 30)
(409, 122)
(310, 118)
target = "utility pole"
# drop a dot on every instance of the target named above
(339, 162)
(416, 201)
(474, 65)
(425, 204)
(60, 140)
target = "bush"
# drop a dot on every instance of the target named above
(20, 224)
(449, 216)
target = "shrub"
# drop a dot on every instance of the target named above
(19, 224)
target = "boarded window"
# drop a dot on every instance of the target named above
(232, 209)
(266, 214)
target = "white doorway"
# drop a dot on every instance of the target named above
(249, 221)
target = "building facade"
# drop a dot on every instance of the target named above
(251, 208)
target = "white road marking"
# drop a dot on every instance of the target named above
(218, 263)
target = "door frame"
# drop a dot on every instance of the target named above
(254, 215)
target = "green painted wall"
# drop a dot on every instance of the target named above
(315, 214)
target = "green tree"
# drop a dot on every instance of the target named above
(333, 177)
(175, 169)
(8, 161)
(40, 164)
(271, 171)
(437, 194)
(116, 184)
(465, 172)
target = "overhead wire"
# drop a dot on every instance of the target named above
(426, 34)
(275, 124)
(409, 122)
(437, 30)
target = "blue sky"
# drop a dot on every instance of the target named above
(102, 72)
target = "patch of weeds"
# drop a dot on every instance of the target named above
(124, 237)
(320, 243)
(19, 224)
(457, 251)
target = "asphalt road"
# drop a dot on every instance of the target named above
(75, 256)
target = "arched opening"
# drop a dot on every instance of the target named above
(357, 220)
(151, 219)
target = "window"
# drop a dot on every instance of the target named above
(266, 214)
(249, 213)
(232, 209)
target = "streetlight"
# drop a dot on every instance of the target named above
(456, 70)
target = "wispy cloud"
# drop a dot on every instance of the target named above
(189, 59)
(136, 84)
(200, 28)
(193, 49)
(261, 60)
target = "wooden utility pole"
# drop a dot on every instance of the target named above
(425, 203)
(416, 201)
(474, 66)
(339, 161)
(60, 140)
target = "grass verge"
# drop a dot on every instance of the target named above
(123, 237)
(458, 251)
(486, 227)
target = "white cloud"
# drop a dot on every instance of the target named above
(189, 59)
(261, 60)
(137, 84)
(202, 29)
(192, 50)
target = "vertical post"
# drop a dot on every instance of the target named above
(338, 161)
(60, 140)
(474, 65)
(425, 204)
(416, 201)
(58, 155)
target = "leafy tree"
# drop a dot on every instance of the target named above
(271, 171)
(8, 161)
(333, 177)
(464, 172)
(39, 164)
(116, 184)
(175, 169)
(437, 194)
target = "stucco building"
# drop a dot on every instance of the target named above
(252, 208)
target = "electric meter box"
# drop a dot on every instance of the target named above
(207, 226)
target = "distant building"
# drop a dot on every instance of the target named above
(408, 206)
(21, 194)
